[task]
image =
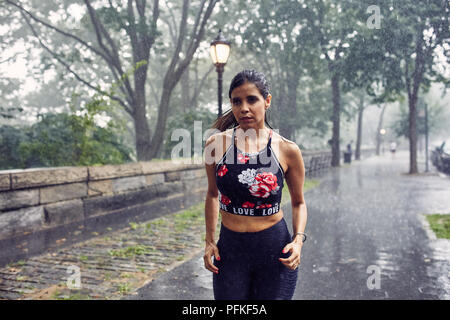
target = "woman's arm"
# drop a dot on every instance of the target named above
(211, 207)
(295, 178)
(211, 204)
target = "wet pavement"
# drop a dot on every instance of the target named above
(368, 238)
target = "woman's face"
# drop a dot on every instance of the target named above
(249, 106)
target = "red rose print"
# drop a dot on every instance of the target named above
(222, 171)
(242, 158)
(224, 199)
(264, 183)
(260, 190)
(248, 205)
(268, 178)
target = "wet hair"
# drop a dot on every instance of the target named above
(227, 120)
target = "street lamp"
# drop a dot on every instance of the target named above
(219, 51)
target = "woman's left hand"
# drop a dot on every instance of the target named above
(293, 261)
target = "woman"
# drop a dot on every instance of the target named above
(255, 256)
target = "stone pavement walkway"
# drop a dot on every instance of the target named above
(109, 266)
(368, 238)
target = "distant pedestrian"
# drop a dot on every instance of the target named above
(393, 147)
(255, 256)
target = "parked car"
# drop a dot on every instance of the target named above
(440, 157)
(435, 153)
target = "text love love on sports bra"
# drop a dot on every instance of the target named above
(249, 184)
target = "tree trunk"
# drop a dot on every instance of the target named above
(378, 134)
(140, 109)
(335, 148)
(142, 134)
(413, 95)
(412, 136)
(359, 132)
(158, 136)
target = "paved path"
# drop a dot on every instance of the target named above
(108, 266)
(363, 218)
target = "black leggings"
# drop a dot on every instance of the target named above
(249, 267)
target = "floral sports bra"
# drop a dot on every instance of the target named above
(249, 184)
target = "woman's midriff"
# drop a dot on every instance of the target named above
(249, 224)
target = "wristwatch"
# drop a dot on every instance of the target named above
(301, 233)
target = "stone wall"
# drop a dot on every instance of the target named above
(41, 198)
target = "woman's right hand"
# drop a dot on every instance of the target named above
(211, 250)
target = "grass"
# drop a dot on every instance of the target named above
(440, 224)
(123, 288)
(185, 218)
(131, 252)
(16, 264)
(134, 225)
(309, 184)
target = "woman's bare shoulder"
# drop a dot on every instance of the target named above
(289, 150)
(219, 137)
(285, 144)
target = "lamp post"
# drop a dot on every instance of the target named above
(219, 51)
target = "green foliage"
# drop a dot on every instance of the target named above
(401, 125)
(293, 42)
(64, 140)
(10, 139)
(410, 31)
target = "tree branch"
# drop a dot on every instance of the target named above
(100, 28)
(197, 20)
(11, 58)
(153, 24)
(172, 34)
(181, 32)
(120, 101)
(67, 34)
(196, 40)
(173, 17)
(103, 55)
(199, 86)
(114, 58)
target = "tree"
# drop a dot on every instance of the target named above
(401, 125)
(406, 52)
(9, 86)
(333, 25)
(359, 102)
(274, 43)
(125, 37)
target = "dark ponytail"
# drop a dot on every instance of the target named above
(227, 120)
